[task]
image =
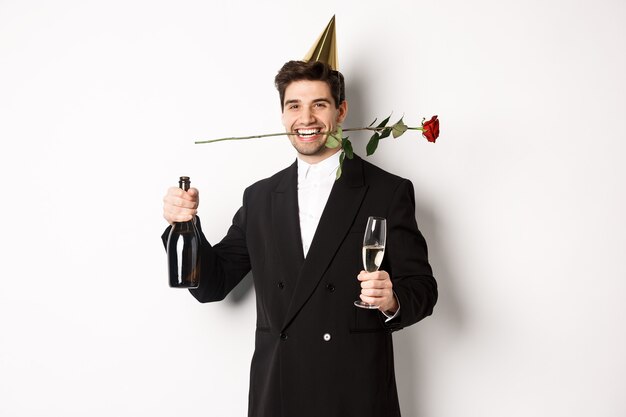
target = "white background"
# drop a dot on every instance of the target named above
(521, 200)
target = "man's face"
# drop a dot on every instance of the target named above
(309, 111)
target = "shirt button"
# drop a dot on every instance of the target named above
(326, 337)
(330, 287)
(283, 336)
(281, 285)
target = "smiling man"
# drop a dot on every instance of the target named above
(300, 232)
(309, 111)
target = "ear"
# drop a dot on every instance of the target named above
(343, 111)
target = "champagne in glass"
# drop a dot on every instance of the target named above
(373, 257)
(373, 249)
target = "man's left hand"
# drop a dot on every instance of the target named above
(377, 289)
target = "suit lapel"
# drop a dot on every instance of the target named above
(286, 221)
(342, 207)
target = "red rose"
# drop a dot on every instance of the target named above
(431, 129)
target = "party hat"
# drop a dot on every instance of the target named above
(325, 48)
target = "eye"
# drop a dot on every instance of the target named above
(320, 105)
(292, 107)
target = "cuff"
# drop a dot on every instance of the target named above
(390, 316)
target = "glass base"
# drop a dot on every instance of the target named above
(361, 304)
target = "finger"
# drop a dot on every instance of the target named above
(380, 275)
(192, 196)
(175, 201)
(375, 278)
(175, 191)
(176, 213)
(376, 284)
(193, 193)
(369, 300)
(188, 204)
(368, 276)
(177, 217)
(375, 292)
(189, 196)
(176, 209)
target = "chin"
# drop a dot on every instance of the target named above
(310, 148)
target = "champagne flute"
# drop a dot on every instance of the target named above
(373, 249)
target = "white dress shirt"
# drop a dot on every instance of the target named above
(314, 185)
(315, 181)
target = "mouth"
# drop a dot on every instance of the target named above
(308, 134)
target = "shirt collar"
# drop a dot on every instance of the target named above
(322, 169)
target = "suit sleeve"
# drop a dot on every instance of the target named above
(224, 265)
(407, 260)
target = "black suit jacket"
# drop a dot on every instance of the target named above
(316, 354)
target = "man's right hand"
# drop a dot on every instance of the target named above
(180, 205)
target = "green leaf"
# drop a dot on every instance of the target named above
(386, 132)
(384, 122)
(332, 141)
(372, 144)
(335, 139)
(399, 128)
(340, 169)
(372, 124)
(339, 133)
(347, 148)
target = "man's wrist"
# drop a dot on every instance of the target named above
(393, 311)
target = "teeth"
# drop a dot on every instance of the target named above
(307, 132)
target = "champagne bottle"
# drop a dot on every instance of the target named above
(183, 246)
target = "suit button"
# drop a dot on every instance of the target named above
(326, 337)
(281, 285)
(283, 336)
(330, 287)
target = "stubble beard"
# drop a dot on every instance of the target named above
(309, 149)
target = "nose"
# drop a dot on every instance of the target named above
(307, 116)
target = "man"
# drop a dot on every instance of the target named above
(301, 234)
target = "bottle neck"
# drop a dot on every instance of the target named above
(184, 183)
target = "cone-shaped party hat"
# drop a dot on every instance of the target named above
(325, 48)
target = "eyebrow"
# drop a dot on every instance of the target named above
(317, 100)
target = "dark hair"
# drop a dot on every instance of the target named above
(312, 71)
